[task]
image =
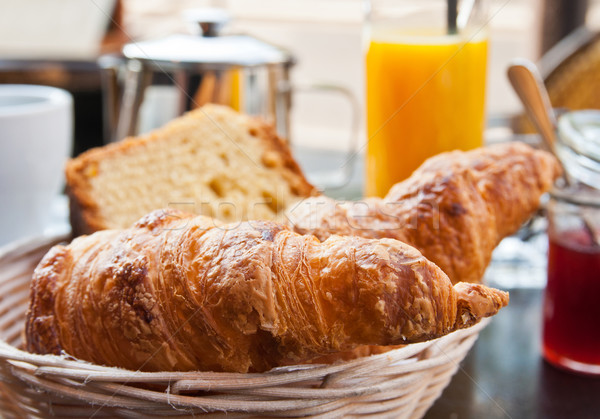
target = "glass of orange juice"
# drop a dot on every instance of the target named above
(425, 85)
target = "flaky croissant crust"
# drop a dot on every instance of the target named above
(177, 292)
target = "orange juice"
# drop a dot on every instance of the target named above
(425, 95)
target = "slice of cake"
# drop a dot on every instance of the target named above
(211, 161)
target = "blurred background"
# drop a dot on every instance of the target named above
(58, 43)
(70, 43)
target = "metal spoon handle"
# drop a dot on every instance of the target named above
(528, 84)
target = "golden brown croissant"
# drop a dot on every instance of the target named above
(455, 208)
(177, 292)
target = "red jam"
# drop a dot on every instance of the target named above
(571, 337)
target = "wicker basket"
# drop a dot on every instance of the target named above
(400, 383)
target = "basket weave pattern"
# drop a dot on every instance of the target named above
(402, 383)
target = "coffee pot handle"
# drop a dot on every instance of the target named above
(335, 178)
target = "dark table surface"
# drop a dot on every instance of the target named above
(504, 375)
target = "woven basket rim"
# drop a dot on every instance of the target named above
(98, 372)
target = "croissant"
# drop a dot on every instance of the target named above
(455, 208)
(177, 292)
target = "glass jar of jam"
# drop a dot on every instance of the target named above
(571, 320)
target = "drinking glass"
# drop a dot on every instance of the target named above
(425, 84)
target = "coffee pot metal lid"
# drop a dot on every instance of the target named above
(216, 52)
(208, 50)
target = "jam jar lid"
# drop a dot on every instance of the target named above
(578, 194)
(578, 146)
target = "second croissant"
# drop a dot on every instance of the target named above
(455, 208)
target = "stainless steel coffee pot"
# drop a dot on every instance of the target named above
(240, 71)
(157, 80)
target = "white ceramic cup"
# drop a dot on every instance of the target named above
(36, 131)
